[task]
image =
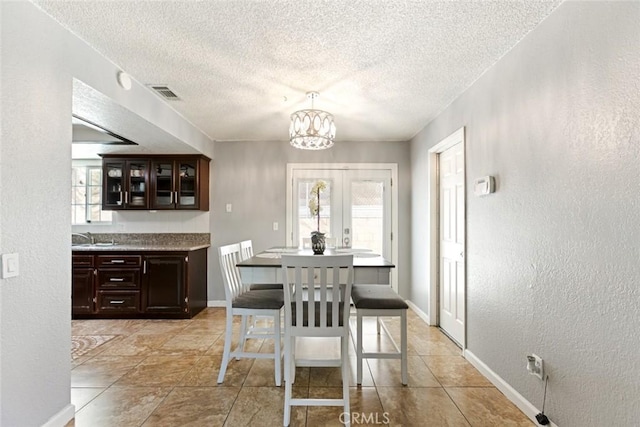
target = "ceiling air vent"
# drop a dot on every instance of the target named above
(165, 92)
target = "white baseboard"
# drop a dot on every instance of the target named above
(60, 419)
(421, 314)
(523, 404)
(216, 303)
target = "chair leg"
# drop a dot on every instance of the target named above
(359, 349)
(243, 334)
(288, 385)
(403, 345)
(276, 348)
(227, 346)
(346, 379)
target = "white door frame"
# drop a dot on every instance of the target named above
(434, 231)
(393, 167)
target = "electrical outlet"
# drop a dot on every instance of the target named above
(535, 365)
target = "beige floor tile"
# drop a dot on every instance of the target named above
(194, 406)
(204, 373)
(365, 406)
(264, 406)
(163, 326)
(428, 407)
(102, 371)
(262, 374)
(388, 372)
(452, 371)
(332, 376)
(159, 371)
(186, 344)
(487, 407)
(121, 406)
(80, 396)
(136, 344)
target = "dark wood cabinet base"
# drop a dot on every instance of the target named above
(139, 285)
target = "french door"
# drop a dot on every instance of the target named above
(356, 207)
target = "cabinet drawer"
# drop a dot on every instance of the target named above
(120, 302)
(82, 260)
(119, 260)
(118, 278)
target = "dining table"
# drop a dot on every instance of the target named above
(266, 266)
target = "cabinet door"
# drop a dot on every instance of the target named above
(163, 184)
(187, 180)
(113, 184)
(137, 193)
(164, 289)
(82, 290)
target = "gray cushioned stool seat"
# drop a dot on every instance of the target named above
(265, 286)
(377, 297)
(272, 299)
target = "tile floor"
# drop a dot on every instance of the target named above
(163, 373)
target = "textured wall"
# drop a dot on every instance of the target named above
(39, 61)
(552, 256)
(251, 176)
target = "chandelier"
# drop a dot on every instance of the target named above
(312, 129)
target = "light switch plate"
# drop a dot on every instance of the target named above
(10, 265)
(229, 207)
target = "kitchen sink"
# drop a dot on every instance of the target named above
(93, 245)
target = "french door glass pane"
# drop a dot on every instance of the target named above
(307, 223)
(367, 215)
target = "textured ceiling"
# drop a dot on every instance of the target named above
(384, 69)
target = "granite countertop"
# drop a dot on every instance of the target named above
(138, 242)
(137, 247)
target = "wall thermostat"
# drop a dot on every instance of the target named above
(483, 186)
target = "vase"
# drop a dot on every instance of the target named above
(317, 242)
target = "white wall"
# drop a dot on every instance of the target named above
(252, 177)
(553, 255)
(39, 61)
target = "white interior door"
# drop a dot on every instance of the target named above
(451, 242)
(355, 208)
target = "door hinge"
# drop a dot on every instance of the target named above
(186, 259)
(186, 300)
(95, 300)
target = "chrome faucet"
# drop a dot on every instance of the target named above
(87, 236)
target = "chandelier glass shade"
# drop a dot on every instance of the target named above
(312, 129)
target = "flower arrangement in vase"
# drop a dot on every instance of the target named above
(317, 238)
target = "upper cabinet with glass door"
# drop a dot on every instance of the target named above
(171, 182)
(125, 183)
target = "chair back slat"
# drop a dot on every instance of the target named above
(317, 278)
(229, 256)
(246, 249)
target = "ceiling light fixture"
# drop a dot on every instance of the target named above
(312, 129)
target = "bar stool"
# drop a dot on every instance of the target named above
(380, 300)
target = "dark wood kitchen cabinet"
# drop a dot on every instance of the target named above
(180, 183)
(125, 183)
(146, 284)
(156, 182)
(82, 296)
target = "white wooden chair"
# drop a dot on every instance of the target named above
(316, 305)
(240, 301)
(246, 249)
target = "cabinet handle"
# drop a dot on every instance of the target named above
(144, 267)
(117, 261)
(95, 271)
(176, 193)
(120, 201)
(116, 279)
(120, 301)
(126, 197)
